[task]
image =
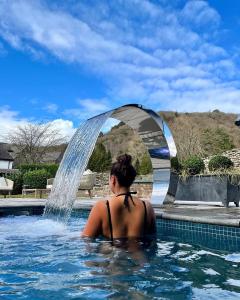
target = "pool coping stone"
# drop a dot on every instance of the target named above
(206, 214)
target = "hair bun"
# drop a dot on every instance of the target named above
(124, 159)
(124, 170)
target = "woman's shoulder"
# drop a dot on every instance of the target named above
(147, 202)
(149, 206)
(100, 203)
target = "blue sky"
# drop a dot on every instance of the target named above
(65, 61)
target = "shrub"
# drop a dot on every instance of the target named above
(193, 165)
(17, 178)
(175, 164)
(145, 165)
(36, 179)
(50, 168)
(216, 141)
(220, 162)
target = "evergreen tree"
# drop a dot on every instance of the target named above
(137, 166)
(109, 159)
(100, 159)
(146, 165)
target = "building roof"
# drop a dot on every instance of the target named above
(53, 157)
(4, 152)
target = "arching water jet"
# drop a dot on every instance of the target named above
(152, 131)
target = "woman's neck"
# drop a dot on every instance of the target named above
(121, 190)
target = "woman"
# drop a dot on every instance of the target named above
(123, 216)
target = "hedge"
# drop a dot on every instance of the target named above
(193, 165)
(220, 162)
(175, 164)
(36, 179)
(17, 178)
(50, 168)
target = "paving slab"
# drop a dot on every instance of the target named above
(201, 213)
(21, 202)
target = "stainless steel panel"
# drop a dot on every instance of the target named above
(150, 127)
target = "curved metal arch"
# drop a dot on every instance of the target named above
(151, 129)
(145, 122)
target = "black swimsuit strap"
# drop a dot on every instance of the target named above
(145, 217)
(110, 220)
(126, 198)
(127, 193)
(125, 203)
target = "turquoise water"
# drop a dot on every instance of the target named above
(43, 259)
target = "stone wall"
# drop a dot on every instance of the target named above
(144, 190)
(233, 154)
(102, 179)
(101, 188)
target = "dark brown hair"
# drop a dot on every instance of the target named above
(124, 170)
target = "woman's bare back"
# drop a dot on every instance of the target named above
(123, 216)
(127, 221)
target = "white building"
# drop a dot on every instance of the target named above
(6, 160)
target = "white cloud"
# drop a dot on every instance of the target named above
(67, 37)
(87, 108)
(51, 108)
(10, 119)
(74, 112)
(188, 83)
(65, 127)
(225, 97)
(199, 12)
(94, 105)
(2, 50)
(91, 107)
(150, 53)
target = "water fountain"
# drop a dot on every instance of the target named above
(148, 125)
(44, 259)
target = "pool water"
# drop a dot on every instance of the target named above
(43, 259)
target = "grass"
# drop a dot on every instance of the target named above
(29, 195)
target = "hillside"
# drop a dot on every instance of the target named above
(122, 139)
(203, 134)
(194, 133)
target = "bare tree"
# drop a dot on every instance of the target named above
(187, 139)
(33, 141)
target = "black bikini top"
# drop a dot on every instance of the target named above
(128, 194)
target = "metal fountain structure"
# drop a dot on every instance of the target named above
(145, 122)
(237, 121)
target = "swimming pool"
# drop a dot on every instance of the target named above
(43, 259)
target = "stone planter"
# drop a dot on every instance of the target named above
(174, 178)
(172, 189)
(208, 188)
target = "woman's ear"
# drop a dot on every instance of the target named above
(110, 179)
(113, 180)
